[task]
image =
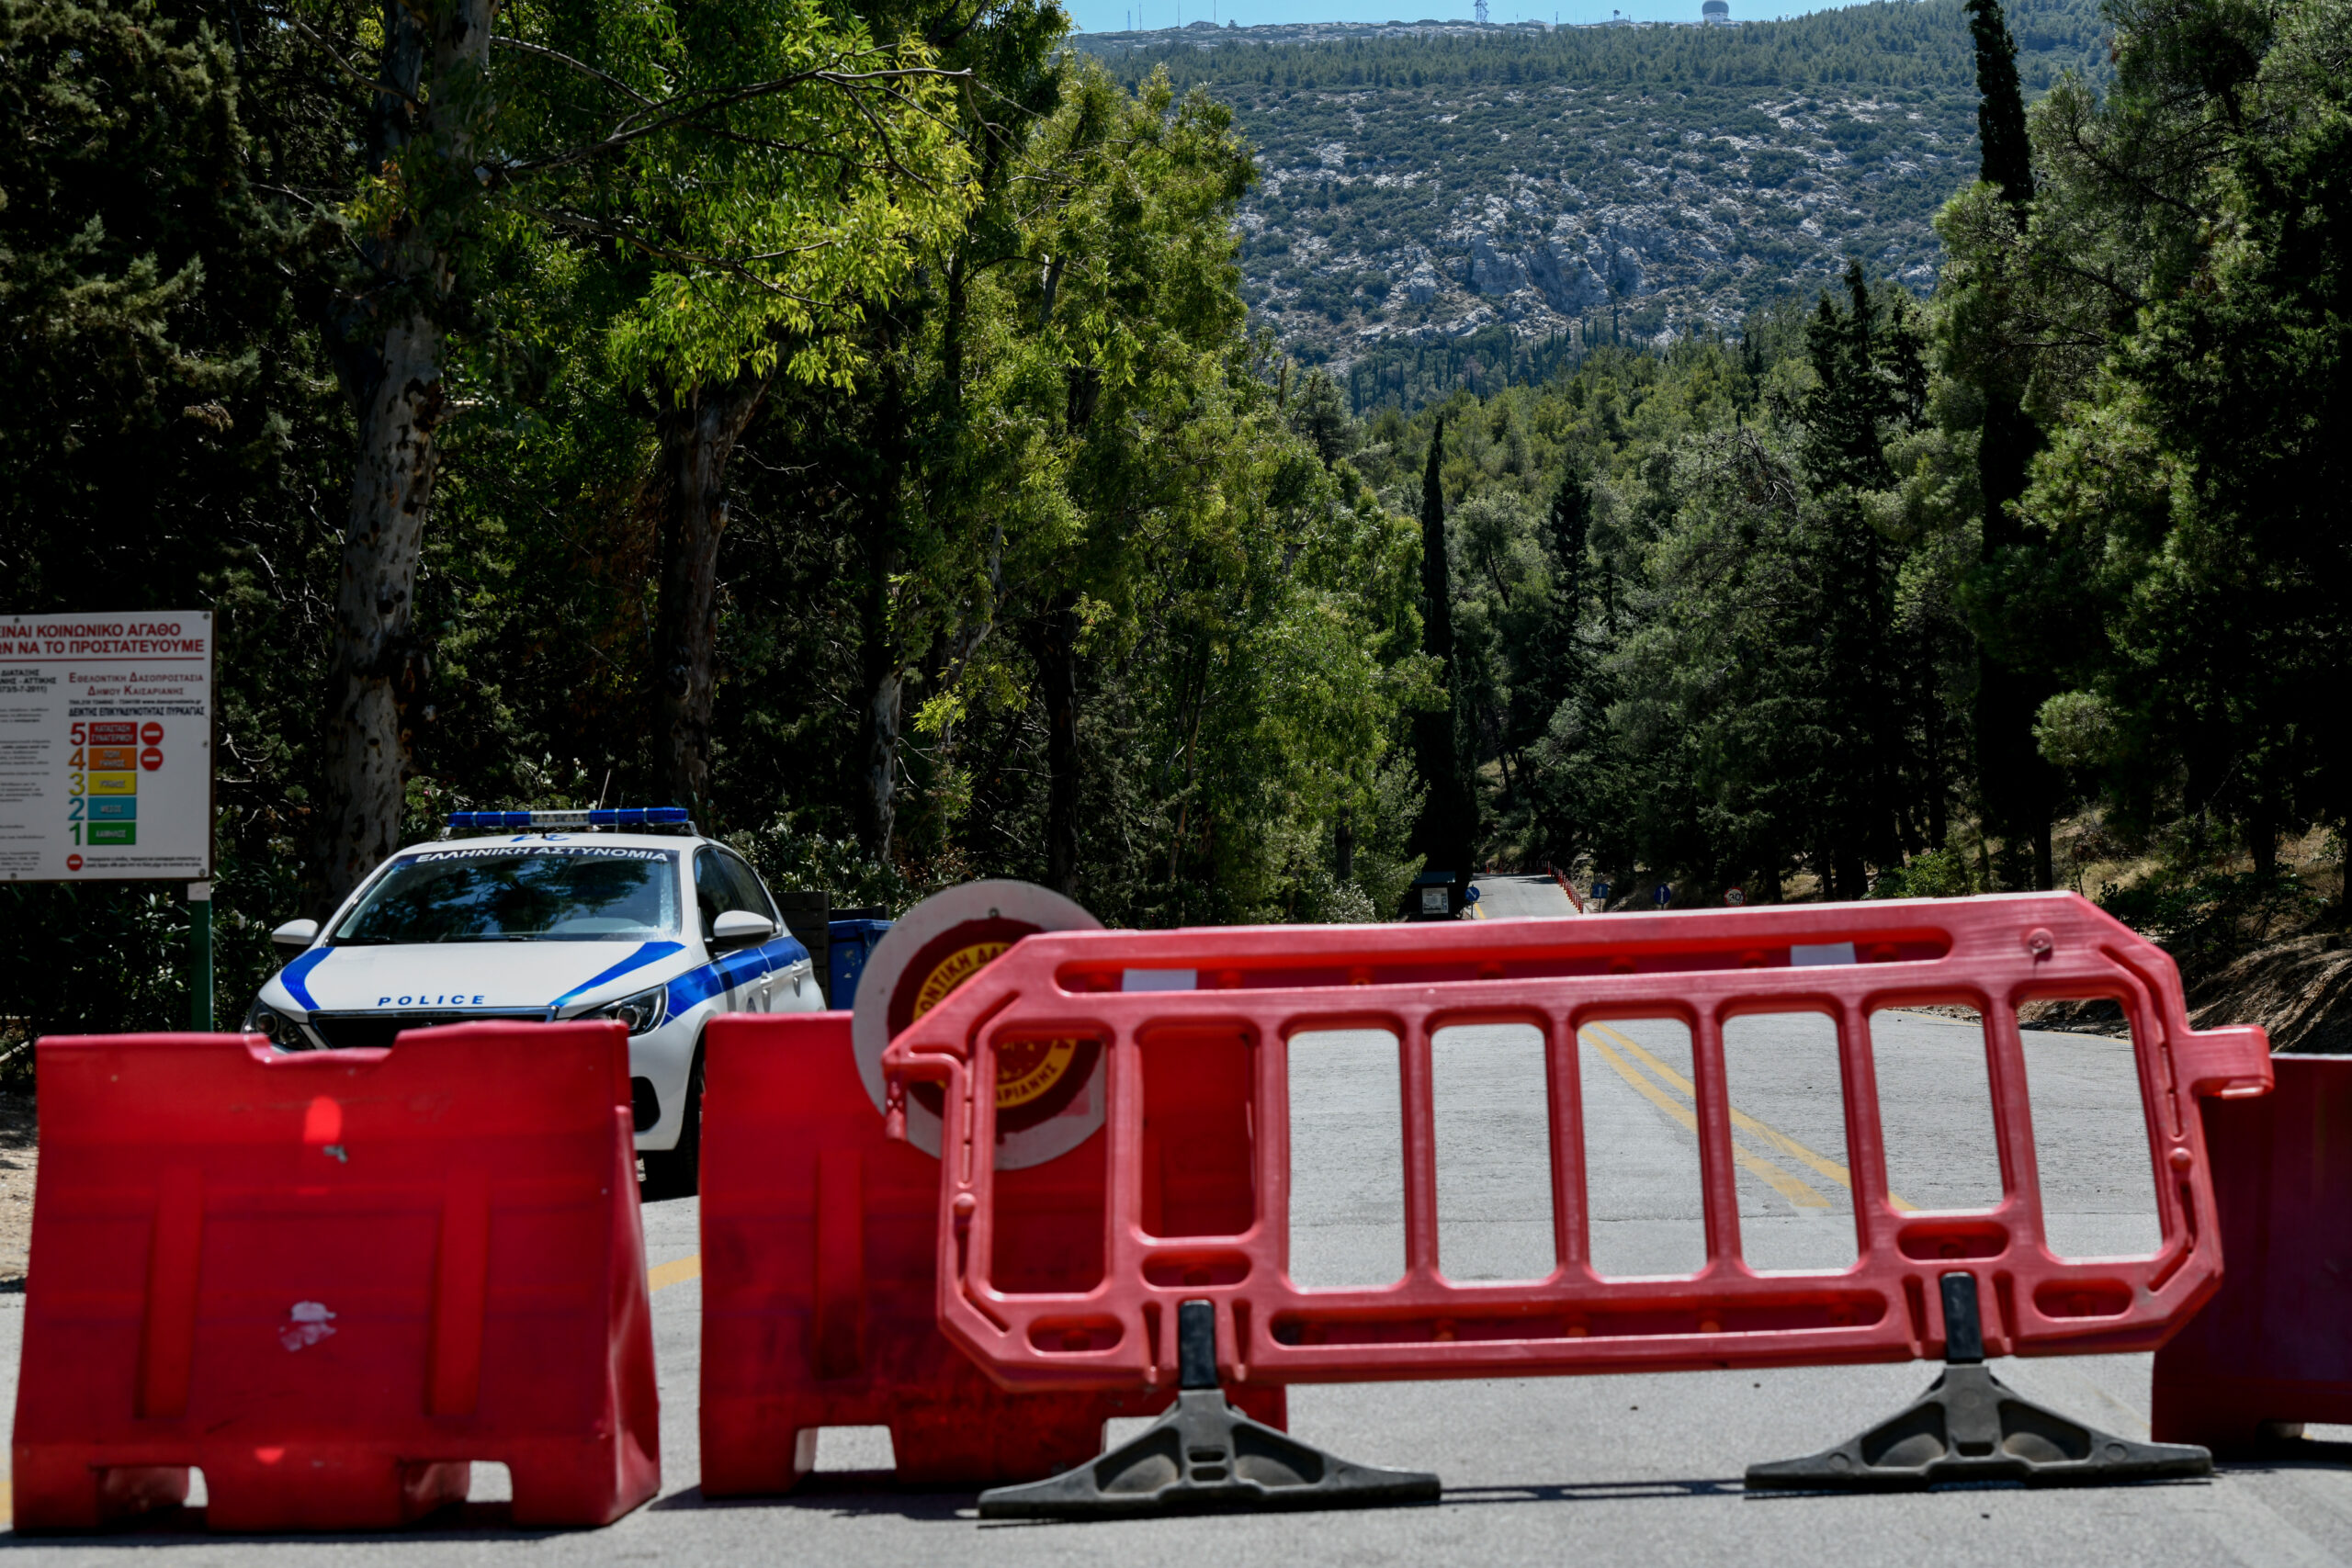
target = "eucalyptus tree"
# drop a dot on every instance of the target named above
(764, 173)
(756, 169)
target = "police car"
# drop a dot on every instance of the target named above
(560, 914)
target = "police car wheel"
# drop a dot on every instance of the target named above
(676, 1172)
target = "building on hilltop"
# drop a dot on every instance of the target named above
(1716, 13)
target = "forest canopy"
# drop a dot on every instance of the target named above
(848, 424)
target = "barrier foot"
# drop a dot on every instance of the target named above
(1972, 1427)
(1204, 1456)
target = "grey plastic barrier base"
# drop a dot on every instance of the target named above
(1972, 1427)
(1204, 1456)
(1969, 1426)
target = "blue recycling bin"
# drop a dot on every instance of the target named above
(851, 943)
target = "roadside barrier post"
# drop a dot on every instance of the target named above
(820, 1281)
(333, 1279)
(2274, 1350)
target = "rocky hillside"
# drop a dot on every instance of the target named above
(1442, 202)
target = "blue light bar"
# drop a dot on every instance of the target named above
(544, 821)
(491, 821)
(640, 816)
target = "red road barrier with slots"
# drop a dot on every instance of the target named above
(819, 1253)
(2276, 1344)
(333, 1279)
(1254, 989)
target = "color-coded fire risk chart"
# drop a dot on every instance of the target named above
(105, 747)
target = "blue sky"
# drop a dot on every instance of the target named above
(1097, 15)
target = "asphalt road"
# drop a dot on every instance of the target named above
(1514, 897)
(1636, 1469)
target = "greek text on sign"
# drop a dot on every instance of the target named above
(105, 747)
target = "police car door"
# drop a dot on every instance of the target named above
(742, 970)
(753, 895)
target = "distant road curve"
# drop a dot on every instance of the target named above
(1518, 898)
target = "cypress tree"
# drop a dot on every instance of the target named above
(1447, 823)
(2000, 108)
(2015, 785)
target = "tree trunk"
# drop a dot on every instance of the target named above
(2015, 784)
(2262, 840)
(379, 666)
(387, 352)
(881, 666)
(1055, 644)
(882, 684)
(698, 429)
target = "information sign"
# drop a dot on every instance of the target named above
(105, 747)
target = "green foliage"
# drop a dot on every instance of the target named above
(2206, 917)
(1936, 873)
(787, 857)
(2190, 497)
(1038, 563)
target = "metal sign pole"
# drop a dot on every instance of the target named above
(199, 978)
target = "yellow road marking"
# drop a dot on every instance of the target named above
(673, 1273)
(7, 1503)
(1786, 1183)
(1478, 911)
(1747, 1123)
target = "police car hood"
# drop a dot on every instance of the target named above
(513, 977)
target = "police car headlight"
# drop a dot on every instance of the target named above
(274, 1026)
(643, 1012)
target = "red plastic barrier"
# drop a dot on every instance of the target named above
(1259, 987)
(2276, 1344)
(819, 1287)
(333, 1279)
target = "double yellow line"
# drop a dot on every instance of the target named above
(1786, 1182)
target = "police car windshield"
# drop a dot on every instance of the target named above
(546, 892)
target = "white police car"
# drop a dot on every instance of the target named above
(563, 915)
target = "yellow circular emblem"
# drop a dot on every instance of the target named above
(953, 971)
(1025, 1068)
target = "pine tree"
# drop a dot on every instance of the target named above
(1865, 385)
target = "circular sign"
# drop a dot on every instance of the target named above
(151, 734)
(1471, 897)
(72, 863)
(152, 758)
(1049, 1091)
(1664, 895)
(1736, 896)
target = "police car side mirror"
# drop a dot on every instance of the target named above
(739, 926)
(296, 934)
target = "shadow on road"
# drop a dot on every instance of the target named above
(186, 1526)
(843, 1493)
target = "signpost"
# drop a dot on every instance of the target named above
(105, 757)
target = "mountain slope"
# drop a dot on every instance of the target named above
(1442, 202)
